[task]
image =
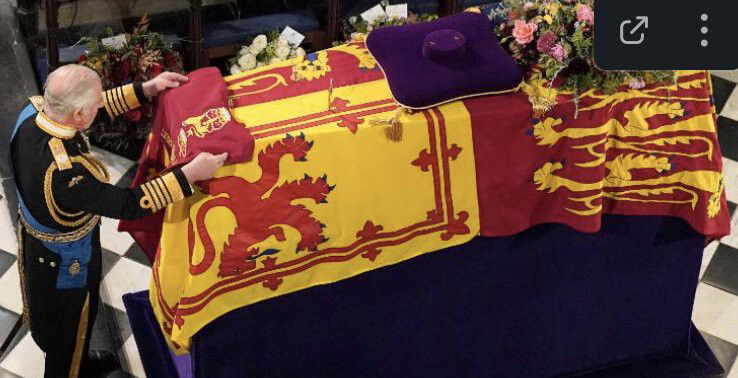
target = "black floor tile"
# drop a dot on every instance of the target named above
(136, 254)
(724, 351)
(6, 260)
(731, 208)
(119, 324)
(721, 90)
(127, 178)
(7, 321)
(17, 339)
(109, 259)
(722, 270)
(728, 137)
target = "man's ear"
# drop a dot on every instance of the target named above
(78, 115)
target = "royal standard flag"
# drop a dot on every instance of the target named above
(333, 190)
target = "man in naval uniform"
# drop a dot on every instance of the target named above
(63, 191)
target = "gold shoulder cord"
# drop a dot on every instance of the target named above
(95, 167)
(54, 210)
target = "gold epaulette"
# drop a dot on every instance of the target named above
(38, 102)
(120, 100)
(60, 154)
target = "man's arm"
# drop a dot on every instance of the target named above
(128, 97)
(122, 99)
(79, 189)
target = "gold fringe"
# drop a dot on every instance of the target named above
(393, 126)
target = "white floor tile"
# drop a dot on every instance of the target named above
(707, 256)
(731, 107)
(25, 360)
(117, 165)
(732, 239)
(126, 276)
(111, 239)
(710, 304)
(130, 359)
(727, 75)
(8, 239)
(734, 371)
(730, 172)
(725, 325)
(10, 289)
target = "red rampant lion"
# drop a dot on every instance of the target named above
(258, 218)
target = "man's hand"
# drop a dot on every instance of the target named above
(203, 166)
(164, 80)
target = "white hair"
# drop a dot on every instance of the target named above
(69, 88)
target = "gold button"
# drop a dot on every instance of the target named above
(53, 264)
(41, 260)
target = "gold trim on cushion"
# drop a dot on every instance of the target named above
(81, 339)
(54, 128)
(173, 186)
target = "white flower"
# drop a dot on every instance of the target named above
(300, 52)
(235, 69)
(260, 42)
(254, 50)
(247, 62)
(260, 64)
(352, 20)
(282, 52)
(276, 60)
(283, 42)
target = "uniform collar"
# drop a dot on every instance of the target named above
(54, 128)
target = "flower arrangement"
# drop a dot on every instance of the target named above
(552, 39)
(355, 26)
(143, 56)
(264, 50)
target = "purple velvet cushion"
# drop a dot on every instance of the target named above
(453, 57)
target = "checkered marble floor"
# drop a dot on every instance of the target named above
(125, 269)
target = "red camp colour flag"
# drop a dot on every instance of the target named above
(191, 119)
(652, 151)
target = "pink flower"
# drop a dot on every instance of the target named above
(546, 42)
(528, 6)
(524, 32)
(585, 14)
(558, 52)
(637, 84)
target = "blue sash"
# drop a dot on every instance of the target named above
(76, 252)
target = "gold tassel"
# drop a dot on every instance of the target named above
(393, 126)
(542, 98)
